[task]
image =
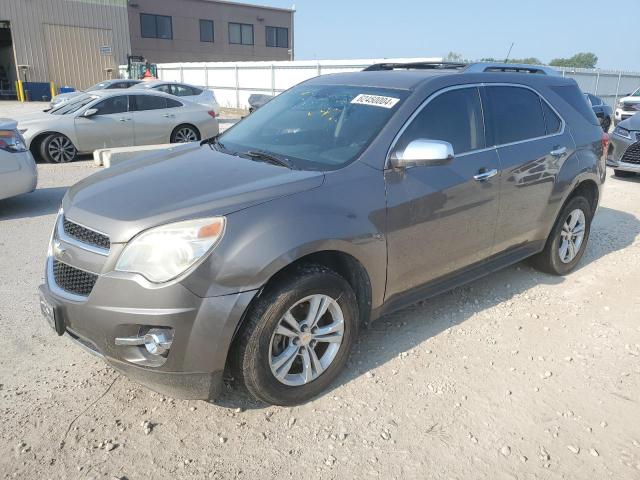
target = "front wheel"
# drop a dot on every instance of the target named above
(297, 337)
(57, 148)
(568, 239)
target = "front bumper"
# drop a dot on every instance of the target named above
(119, 307)
(617, 148)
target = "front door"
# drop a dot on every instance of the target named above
(110, 126)
(442, 218)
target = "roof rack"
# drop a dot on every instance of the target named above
(509, 68)
(415, 66)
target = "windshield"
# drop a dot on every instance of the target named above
(74, 105)
(636, 93)
(319, 127)
(97, 86)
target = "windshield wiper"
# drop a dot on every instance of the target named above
(214, 143)
(267, 157)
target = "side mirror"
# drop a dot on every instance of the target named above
(422, 152)
(89, 112)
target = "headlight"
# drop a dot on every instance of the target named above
(162, 253)
(622, 132)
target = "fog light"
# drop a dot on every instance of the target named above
(158, 341)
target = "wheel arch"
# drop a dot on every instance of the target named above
(36, 141)
(184, 124)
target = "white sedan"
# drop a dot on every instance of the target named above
(188, 92)
(18, 172)
(115, 118)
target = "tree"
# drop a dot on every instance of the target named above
(454, 57)
(579, 60)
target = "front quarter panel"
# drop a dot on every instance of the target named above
(346, 213)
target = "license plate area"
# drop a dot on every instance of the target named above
(52, 315)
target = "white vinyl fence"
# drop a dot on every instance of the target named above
(233, 82)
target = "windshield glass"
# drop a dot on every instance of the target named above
(74, 105)
(319, 127)
(97, 86)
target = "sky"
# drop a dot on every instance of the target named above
(546, 29)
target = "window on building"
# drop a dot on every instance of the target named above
(241, 33)
(278, 37)
(155, 26)
(206, 31)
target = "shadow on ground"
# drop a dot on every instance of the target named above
(403, 330)
(43, 201)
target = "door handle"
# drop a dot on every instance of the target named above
(485, 174)
(168, 115)
(558, 151)
(122, 119)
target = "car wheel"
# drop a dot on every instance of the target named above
(606, 124)
(184, 134)
(297, 337)
(568, 239)
(623, 173)
(57, 148)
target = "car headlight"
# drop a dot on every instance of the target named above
(163, 253)
(622, 132)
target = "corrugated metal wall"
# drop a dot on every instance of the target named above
(77, 27)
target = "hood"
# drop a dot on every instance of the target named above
(63, 97)
(629, 100)
(631, 123)
(175, 185)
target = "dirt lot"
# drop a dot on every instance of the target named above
(519, 375)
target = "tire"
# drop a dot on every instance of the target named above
(57, 148)
(623, 173)
(606, 124)
(258, 351)
(550, 259)
(185, 133)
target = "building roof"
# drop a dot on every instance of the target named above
(251, 5)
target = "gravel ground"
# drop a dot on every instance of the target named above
(518, 375)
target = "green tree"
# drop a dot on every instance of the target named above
(579, 60)
(454, 57)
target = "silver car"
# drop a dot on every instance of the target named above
(115, 118)
(183, 90)
(106, 85)
(18, 172)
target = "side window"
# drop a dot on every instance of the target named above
(112, 105)
(171, 103)
(183, 91)
(516, 114)
(149, 102)
(454, 117)
(552, 120)
(163, 88)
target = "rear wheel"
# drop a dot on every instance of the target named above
(184, 134)
(57, 148)
(623, 173)
(297, 337)
(568, 239)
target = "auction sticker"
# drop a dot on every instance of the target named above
(375, 100)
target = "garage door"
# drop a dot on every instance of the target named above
(78, 56)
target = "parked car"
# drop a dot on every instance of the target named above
(258, 100)
(115, 118)
(603, 111)
(58, 100)
(624, 152)
(182, 90)
(263, 251)
(18, 173)
(628, 106)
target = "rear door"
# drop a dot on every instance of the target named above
(442, 218)
(153, 120)
(532, 143)
(110, 126)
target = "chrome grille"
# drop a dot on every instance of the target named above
(86, 235)
(73, 280)
(632, 155)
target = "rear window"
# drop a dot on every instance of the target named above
(516, 114)
(574, 97)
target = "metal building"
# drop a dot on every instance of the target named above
(69, 42)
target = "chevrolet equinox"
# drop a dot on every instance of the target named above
(262, 252)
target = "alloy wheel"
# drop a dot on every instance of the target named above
(572, 236)
(61, 150)
(306, 340)
(186, 134)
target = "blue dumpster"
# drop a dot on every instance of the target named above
(67, 89)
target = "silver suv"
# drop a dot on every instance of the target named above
(262, 252)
